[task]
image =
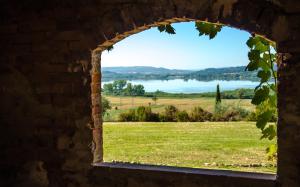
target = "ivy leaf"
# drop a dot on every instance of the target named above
(252, 66)
(264, 75)
(260, 95)
(264, 41)
(110, 48)
(166, 28)
(263, 119)
(161, 28)
(264, 64)
(273, 100)
(254, 55)
(252, 41)
(208, 29)
(269, 132)
(213, 34)
(170, 29)
(261, 47)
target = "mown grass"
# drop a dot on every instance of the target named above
(125, 103)
(217, 145)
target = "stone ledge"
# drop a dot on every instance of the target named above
(171, 175)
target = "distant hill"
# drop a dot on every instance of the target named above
(153, 73)
(227, 73)
(143, 70)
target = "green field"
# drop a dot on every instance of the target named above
(215, 145)
(123, 104)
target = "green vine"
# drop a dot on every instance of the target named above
(262, 57)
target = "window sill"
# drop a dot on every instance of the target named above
(170, 174)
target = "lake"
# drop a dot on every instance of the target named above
(191, 86)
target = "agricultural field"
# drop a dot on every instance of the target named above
(213, 145)
(123, 104)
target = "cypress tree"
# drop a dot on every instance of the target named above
(218, 95)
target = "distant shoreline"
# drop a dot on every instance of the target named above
(229, 94)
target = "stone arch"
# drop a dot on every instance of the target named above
(243, 15)
(260, 17)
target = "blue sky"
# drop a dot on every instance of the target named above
(183, 50)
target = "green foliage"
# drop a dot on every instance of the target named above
(118, 86)
(145, 114)
(166, 28)
(182, 116)
(121, 87)
(263, 108)
(105, 105)
(129, 90)
(128, 116)
(209, 29)
(261, 94)
(140, 114)
(108, 89)
(218, 95)
(263, 59)
(220, 112)
(198, 114)
(224, 112)
(138, 89)
(170, 113)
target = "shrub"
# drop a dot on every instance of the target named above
(128, 116)
(145, 114)
(230, 113)
(140, 114)
(198, 114)
(105, 105)
(162, 117)
(182, 116)
(170, 113)
(242, 113)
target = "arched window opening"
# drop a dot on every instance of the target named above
(179, 100)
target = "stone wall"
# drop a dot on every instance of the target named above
(45, 79)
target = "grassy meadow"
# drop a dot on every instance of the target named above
(214, 145)
(208, 103)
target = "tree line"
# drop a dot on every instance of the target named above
(123, 88)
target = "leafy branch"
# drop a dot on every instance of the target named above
(262, 56)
